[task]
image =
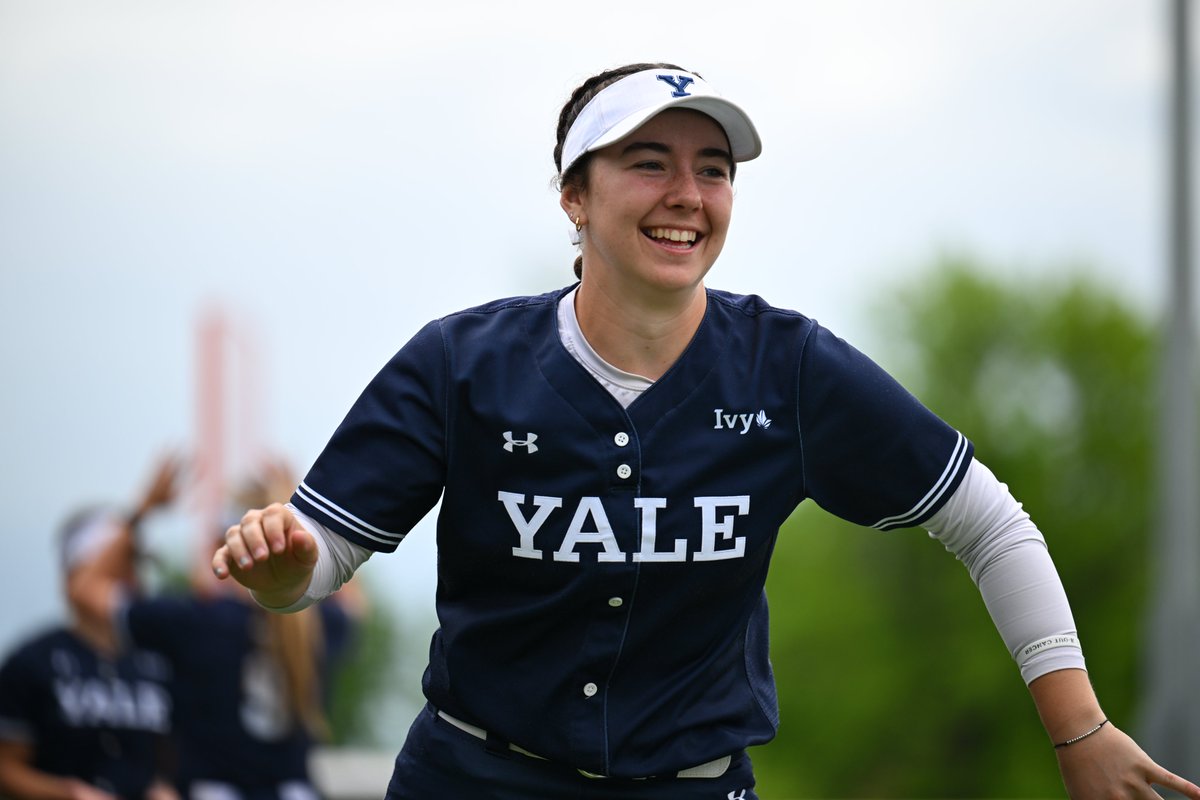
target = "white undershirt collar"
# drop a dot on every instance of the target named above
(624, 386)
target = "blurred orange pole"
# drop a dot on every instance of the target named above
(210, 422)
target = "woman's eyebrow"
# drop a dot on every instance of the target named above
(718, 152)
(659, 147)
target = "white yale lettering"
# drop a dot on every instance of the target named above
(92, 702)
(590, 526)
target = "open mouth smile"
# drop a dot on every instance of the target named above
(673, 238)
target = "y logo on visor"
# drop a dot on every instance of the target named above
(678, 83)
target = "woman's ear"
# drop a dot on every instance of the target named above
(571, 200)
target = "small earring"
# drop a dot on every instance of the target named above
(578, 225)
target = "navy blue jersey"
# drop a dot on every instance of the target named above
(601, 569)
(232, 722)
(97, 718)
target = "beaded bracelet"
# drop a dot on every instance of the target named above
(1081, 736)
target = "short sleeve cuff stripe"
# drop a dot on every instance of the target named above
(937, 494)
(342, 518)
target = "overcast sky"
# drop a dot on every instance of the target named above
(334, 174)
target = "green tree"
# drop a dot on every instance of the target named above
(375, 689)
(893, 681)
(362, 676)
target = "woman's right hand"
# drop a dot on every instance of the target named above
(270, 553)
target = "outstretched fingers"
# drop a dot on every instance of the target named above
(1169, 780)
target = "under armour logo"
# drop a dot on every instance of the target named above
(679, 83)
(735, 795)
(527, 442)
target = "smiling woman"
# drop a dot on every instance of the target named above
(615, 459)
(584, 125)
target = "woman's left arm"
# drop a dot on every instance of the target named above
(1105, 763)
(1007, 557)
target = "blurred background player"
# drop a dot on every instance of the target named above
(249, 687)
(82, 718)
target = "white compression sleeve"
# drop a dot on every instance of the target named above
(1006, 555)
(337, 559)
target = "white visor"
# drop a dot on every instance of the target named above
(620, 109)
(84, 541)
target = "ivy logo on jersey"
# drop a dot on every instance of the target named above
(528, 442)
(740, 422)
(677, 82)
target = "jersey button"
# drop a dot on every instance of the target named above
(621, 439)
(615, 602)
(589, 689)
(624, 471)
